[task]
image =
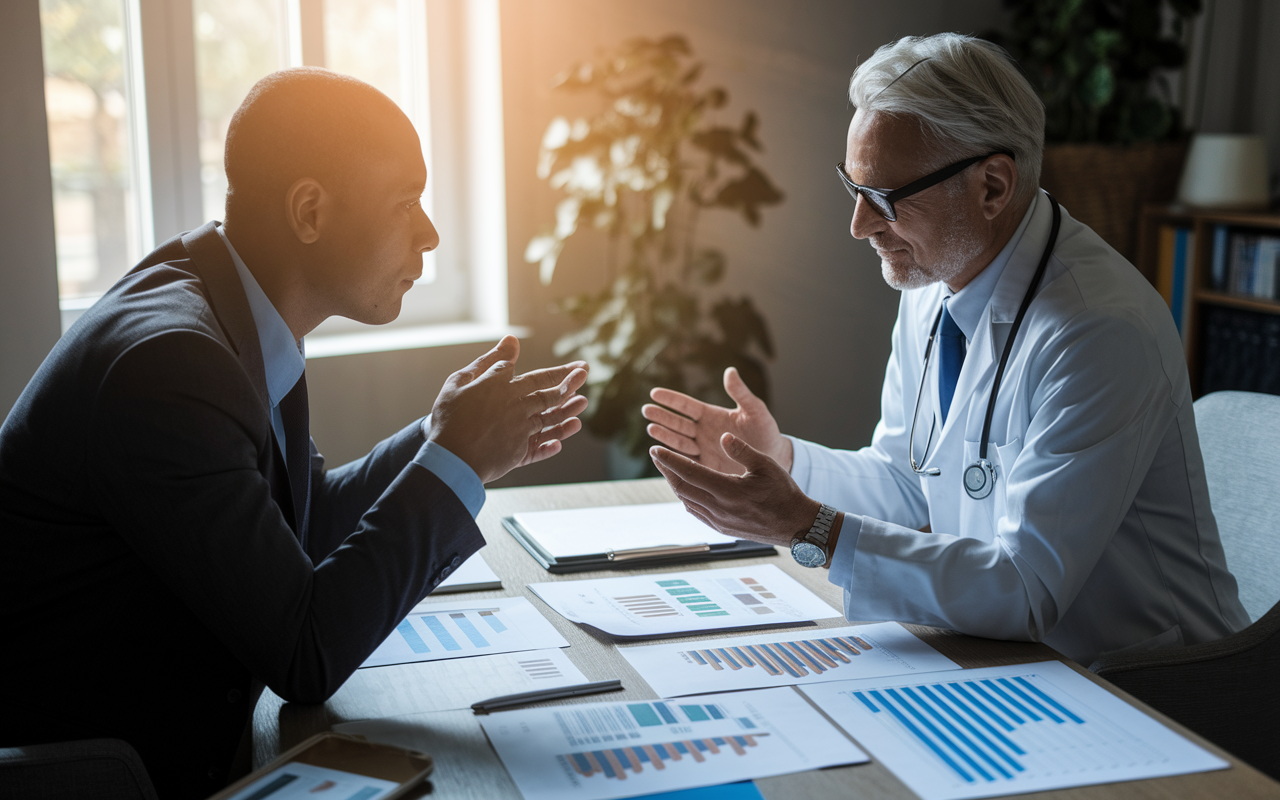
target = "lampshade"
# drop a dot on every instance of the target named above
(1225, 170)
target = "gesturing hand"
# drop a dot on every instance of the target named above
(496, 421)
(692, 427)
(762, 504)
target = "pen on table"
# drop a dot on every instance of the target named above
(523, 698)
(660, 550)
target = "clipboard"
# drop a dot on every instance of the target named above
(635, 557)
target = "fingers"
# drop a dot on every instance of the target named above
(543, 378)
(570, 408)
(550, 398)
(699, 482)
(506, 350)
(678, 401)
(737, 388)
(681, 444)
(674, 422)
(546, 443)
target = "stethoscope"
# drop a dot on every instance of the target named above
(980, 476)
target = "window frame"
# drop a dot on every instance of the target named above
(468, 301)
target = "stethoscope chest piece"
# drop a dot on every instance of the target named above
(979, 479)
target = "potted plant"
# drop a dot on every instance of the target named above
(643, 169)
(1114, 138)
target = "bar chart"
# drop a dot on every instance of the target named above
(1005, 730)
(615, 762)
(796, 658)
(781, 659)
(456, 629)
(592, 751)
(646, 605)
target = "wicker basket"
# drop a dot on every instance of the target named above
(1105, 186)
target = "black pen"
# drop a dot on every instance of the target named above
(523, 698)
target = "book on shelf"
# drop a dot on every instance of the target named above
(1174, 272)
(1245, 262)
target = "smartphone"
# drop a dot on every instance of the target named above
(335, 766)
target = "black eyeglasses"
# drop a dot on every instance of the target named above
(882, 200)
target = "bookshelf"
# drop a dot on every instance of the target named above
(1200, 319)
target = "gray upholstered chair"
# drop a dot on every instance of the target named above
(1228, 691)
(94, 769)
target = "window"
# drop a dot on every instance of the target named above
(140, 95)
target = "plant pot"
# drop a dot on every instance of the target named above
(1105, 186)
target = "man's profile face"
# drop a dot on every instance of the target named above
(378, 230)
(934, 237)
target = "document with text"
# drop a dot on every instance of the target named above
(680, 602)
(784, 658)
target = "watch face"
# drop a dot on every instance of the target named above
(808, 554)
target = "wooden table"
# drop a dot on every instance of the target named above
(467, 767)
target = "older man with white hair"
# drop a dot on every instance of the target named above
(1036, 473)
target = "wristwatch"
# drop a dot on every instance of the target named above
(811, 551)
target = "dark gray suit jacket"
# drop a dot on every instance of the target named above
(149, 567)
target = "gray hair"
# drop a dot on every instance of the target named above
(967, 93)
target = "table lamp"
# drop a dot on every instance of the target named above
(1225, 170)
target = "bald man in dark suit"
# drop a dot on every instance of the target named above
(169, 536)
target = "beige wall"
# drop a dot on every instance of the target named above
(829, 310)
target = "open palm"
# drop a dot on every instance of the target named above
(692, 427)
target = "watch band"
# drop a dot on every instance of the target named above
(820, 531)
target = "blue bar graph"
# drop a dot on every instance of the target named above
(469, 630)
(972, 726)
(437, 627)
(494, 622)
(412, 638)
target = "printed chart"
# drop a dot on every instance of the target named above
(455, 629)
(647, 605)
(781, 659)
(594, 751)
(1006, 730)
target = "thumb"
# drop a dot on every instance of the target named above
(743, 453)
(737, 388)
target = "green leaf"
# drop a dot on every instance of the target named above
(1098, 87)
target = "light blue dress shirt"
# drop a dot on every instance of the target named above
(966, 307)
(283, 360)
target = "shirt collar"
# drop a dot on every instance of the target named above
(966, 306)
(283, 359)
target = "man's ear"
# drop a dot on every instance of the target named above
(304, 205)
(999, 181)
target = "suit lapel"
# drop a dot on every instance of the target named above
(230, 306)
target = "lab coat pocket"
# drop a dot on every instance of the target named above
(978, 517)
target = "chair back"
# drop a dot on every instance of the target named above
(1240, 440)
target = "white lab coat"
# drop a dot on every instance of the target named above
(1098, 535)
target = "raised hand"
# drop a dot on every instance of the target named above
(694, 428)
(495, 420)
(756, 499)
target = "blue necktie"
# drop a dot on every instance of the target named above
(951, 345)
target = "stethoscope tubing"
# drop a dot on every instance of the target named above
(1000, 368)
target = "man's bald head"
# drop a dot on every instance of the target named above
(306, 122)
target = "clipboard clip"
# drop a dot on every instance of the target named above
(661, 550)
